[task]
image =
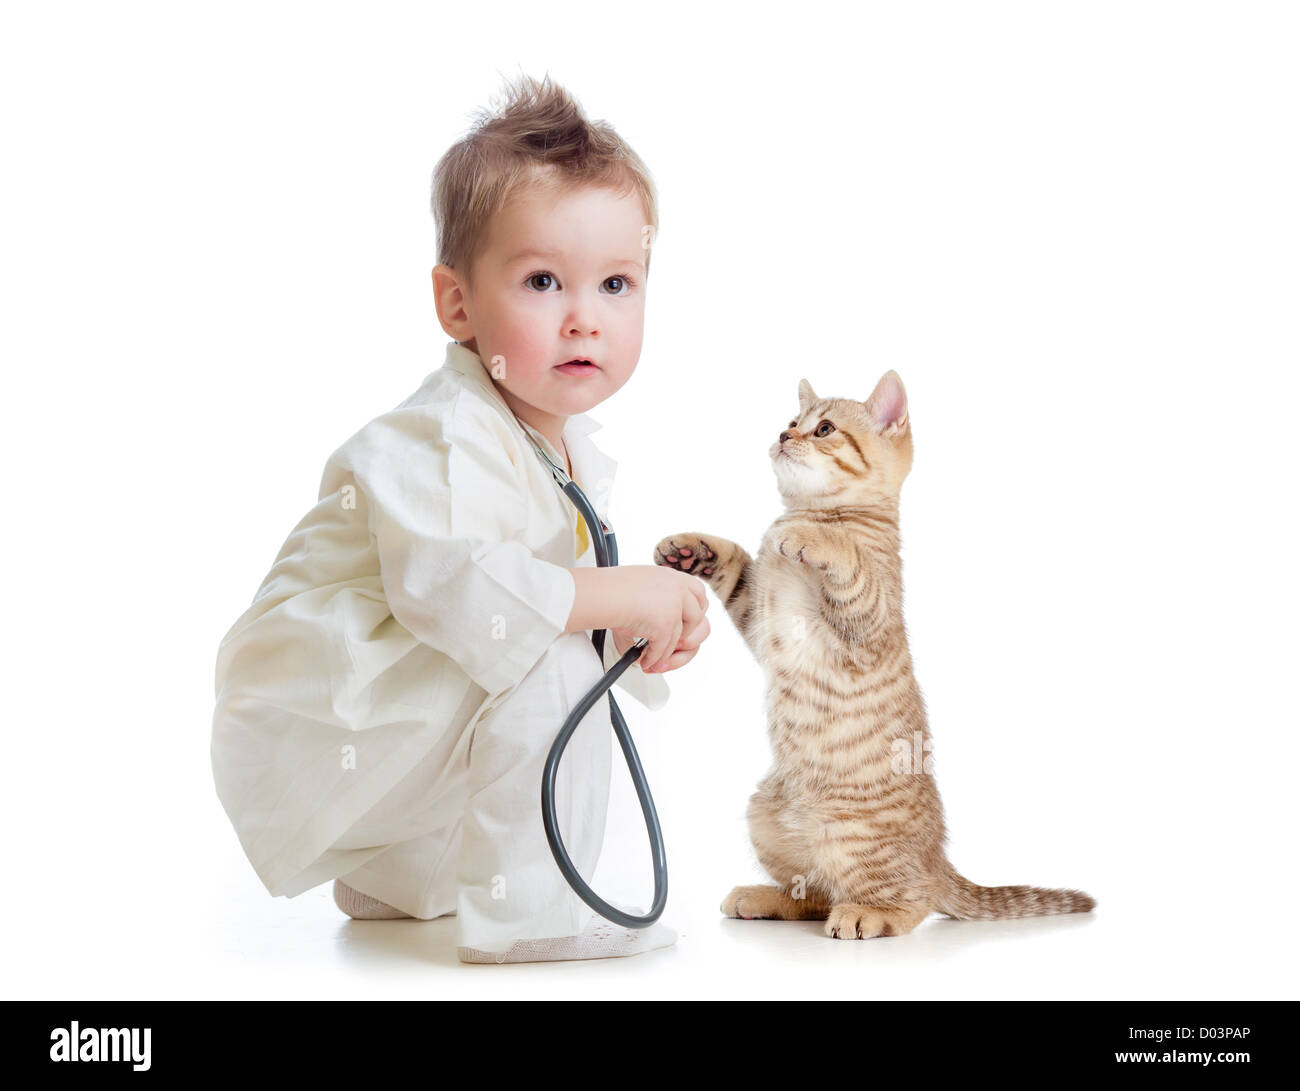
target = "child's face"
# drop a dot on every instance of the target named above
(560, 276)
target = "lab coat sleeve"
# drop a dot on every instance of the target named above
(447, 512)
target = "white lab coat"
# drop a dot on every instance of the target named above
(402, 614)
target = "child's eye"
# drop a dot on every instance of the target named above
(543, 281)
(622, 284)
(824, 429)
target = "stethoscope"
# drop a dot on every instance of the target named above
(606, 547)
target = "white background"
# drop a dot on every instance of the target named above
(1073, 230)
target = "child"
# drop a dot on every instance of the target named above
(386, 704)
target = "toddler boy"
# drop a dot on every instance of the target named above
(386, 704)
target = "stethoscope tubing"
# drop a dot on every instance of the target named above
(606, 547)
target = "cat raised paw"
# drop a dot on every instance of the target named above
(722, 564)
(687, 553)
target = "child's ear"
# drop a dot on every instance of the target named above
(887, 406)
(449, 302)
(806, 395)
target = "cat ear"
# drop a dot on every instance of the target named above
(806, 395)
(887, 406)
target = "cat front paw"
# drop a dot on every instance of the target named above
(687, 553)
(801, 550)
(871, 921)
(751, 902)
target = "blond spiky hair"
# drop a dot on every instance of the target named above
(539, 137)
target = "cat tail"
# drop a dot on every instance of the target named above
(960, 898)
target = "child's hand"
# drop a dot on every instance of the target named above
(667, 608)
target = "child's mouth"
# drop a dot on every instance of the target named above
(578, 367)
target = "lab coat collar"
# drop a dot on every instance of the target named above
(593, 469)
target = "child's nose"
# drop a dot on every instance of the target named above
(582, 320)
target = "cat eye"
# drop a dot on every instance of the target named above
(824, 429)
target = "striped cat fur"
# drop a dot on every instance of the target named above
(848, 821)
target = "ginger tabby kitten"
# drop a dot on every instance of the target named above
(848, 821)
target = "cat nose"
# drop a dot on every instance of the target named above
(785, 436)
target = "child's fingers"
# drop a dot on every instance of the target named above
(664, 649)
(696, 636)
(693, 611)
(671, 646)
(692, 628)
(678, 659)
(682, 658)
(684, 651)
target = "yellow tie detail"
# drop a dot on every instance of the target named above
(583, 540)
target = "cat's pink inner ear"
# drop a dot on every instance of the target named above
(888, 402)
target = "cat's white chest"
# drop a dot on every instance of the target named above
(791, 629)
